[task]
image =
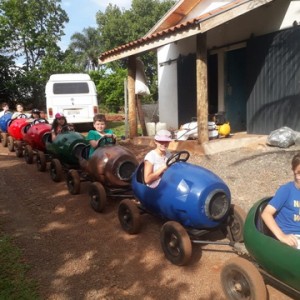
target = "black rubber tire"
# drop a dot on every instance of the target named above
(176, 243)
(10, 144)
(4, 139)
(28, 154)
(56, 170)
(73, 182)
(129, 216)
(237, 219)
(19, 149)
(97, 196)
(41, 161)
(240, 279)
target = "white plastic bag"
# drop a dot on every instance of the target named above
(187, 130)
(283, 137)
(141, 87)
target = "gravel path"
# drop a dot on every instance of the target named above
(76, 253)
(251, 174)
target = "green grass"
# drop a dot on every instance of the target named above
(13, 281)
(117, 127)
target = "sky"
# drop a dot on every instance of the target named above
(82, 14)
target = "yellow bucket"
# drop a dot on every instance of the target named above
(224, 129)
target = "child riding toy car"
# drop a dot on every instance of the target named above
(110, 169)
(193, 201)
(264, 259)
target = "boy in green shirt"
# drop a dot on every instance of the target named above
(100, 131)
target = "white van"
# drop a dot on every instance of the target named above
(74, 95)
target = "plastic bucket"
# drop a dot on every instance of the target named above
(150, 126)
(159, 126)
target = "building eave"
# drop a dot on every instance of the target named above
(192, 27)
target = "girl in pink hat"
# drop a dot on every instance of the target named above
(59, 122)
(155, 160)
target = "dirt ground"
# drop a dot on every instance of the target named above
(76, 253)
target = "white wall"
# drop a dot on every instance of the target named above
(272, 17)
(167, 79)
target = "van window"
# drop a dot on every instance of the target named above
(71, 88)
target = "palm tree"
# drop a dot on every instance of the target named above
(87, 48)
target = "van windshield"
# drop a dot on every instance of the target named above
(71, 88)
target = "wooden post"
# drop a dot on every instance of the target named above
(131, 97)
(202, 89)
(141, 115)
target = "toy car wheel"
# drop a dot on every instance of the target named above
(98, 196)
(176, 243)
(10, 144)
(28, 154)
(56, 170)
(41, 161)
(73, 182)
(236, 219)
(19, 149)
(4, 139)
(241, 280)
(129, 216)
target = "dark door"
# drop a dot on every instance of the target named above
(187, 101)
(235, 89)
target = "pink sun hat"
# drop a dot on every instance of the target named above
(163, 135)
(59, 115)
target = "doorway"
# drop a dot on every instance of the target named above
(235, 101)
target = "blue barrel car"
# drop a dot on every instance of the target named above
(109, 169)
(193, 201)
(4, 122)
(265, 259)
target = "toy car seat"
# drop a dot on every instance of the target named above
(25, 128)
(260, 224)
(47, 138)
(140, 173)
(81, 150)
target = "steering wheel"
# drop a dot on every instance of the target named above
(179, 156)
(40, 120)
(66, 128)
(106, 140)
(22, 116)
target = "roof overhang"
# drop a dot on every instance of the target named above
(198, 25)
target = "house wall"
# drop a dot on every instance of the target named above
(167, 79)
(273, 76)
(272, 17)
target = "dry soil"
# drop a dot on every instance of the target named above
(76, 253)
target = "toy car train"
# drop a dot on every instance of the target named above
(192, 200)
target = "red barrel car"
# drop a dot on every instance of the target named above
(35, 136)
(15, 132)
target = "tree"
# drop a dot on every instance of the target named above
(29, 33)
(7, 74)
(110, 87)
(87, 48)
(119, 27)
